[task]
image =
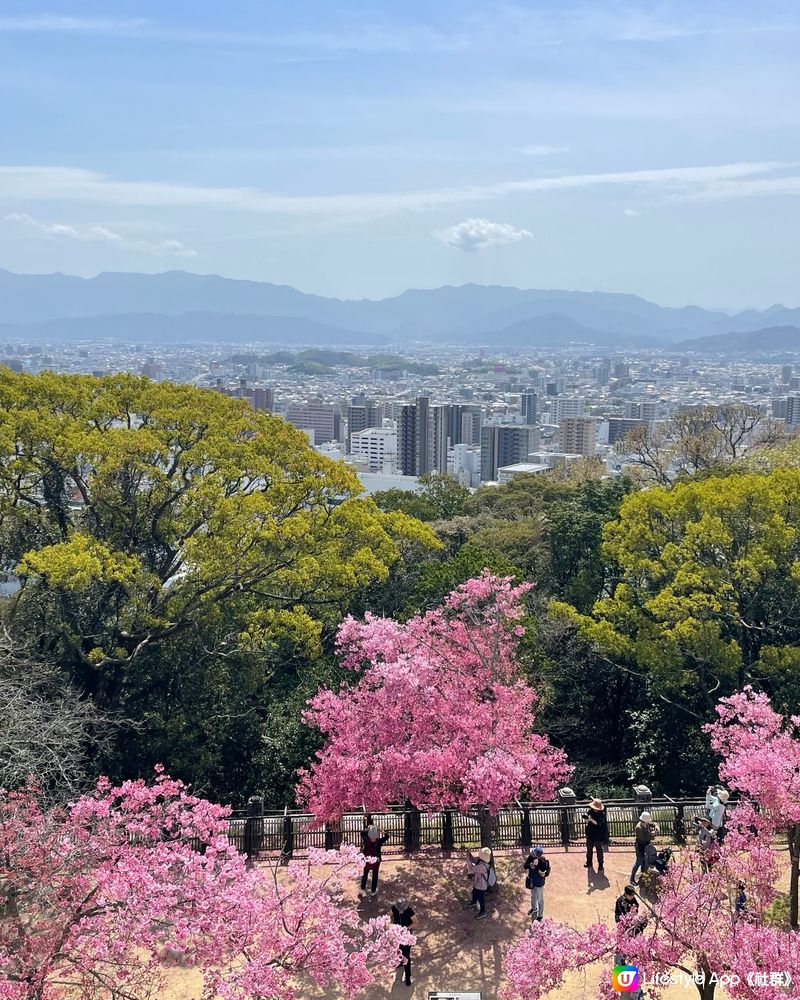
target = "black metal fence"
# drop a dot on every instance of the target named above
(290, 834)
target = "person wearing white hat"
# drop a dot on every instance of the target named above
(716, 806)
(644, 832)
(372, 841)
(480, 882)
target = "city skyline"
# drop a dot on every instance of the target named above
(637, 149)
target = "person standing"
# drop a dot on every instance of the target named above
(372, 841)
(403, 914)
(537, 869)
(596, 833)
(480, 881)
(644, 832)
(716, 808)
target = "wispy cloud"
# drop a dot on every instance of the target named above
(100, 234)
(542, 150)
(479, 234)
(47, 23)
(631, 212)
(23, 184)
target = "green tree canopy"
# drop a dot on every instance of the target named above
(704, 583)
(131, 511)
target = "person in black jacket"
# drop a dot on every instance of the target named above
(403, 914)
(596, 832)
(372, 841)
(537, 868)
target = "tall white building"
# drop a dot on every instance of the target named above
(464, 464)
(563, 407)
(377, 447)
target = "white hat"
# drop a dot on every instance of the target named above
(645, 818)
(723, 796)
(485, 854)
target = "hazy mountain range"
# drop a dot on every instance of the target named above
(178, 306)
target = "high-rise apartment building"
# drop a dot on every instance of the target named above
(377, 446)
(566, 406)
(793, 411)
(415, 439)
(578, 435)
(504, 444)
(618, 427)
(642, 410)
(322, 418)
(363, 413)
(529, 406)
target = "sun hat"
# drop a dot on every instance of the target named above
(485, 854)
(538, 851)
(373, 833)
(597, 804)
(645, 818)
(723, 796)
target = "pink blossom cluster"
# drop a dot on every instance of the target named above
(693, 927)
(100, 897)
(761, 754)
(439, 713)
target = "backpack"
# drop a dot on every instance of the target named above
(492, 879)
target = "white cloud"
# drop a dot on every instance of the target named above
(629, 211)
(77, 25)
(542, 150)
(478, 234)
(100, 234)
(71, 184)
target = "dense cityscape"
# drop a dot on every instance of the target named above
(477, 415)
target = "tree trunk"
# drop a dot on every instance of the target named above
(793, 836)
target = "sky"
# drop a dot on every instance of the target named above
(358, 149)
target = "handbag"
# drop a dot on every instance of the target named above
(492, 879)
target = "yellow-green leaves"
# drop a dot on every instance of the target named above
(160, 504)
(706, 577)
(78, 563)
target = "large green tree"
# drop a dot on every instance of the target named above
(703, 585)
(133, 513)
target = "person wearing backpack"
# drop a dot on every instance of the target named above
(480, 883)
(537, 868)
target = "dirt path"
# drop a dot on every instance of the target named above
(456, 952)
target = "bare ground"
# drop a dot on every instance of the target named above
(455, 951)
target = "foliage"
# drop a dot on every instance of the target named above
(706, 577)
(760, 753)
(130, 512)
(438, 715)
(437, 497)
(100, 897)
(691, 926)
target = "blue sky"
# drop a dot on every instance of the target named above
(358, 149)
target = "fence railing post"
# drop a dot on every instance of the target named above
(526, 835)
(448, 842)
(680, 824)
(565, 826)
(412, 827)
(287, 851)
(253, 827)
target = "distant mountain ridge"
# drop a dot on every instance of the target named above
(773, 338)
(176, 305)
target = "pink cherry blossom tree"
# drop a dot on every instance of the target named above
(760, 752)
(98, 898)
(692, 931)
(439, 714)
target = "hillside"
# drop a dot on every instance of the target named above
(773, 338)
